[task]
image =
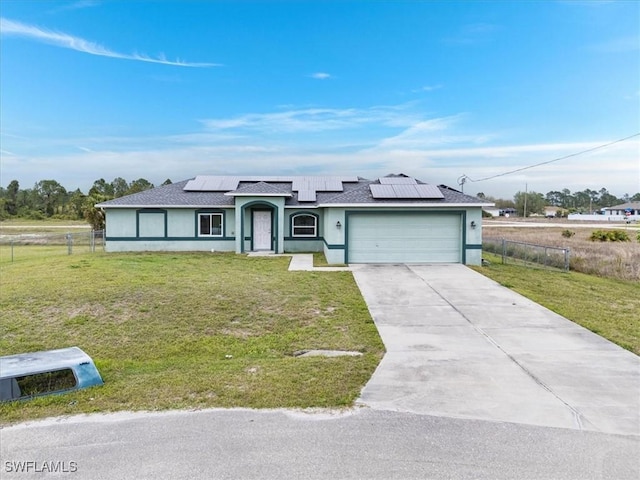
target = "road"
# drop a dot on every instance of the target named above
(361, 443)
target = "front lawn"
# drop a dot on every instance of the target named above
(608, 307)
(190, 330)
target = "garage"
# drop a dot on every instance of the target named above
(408, 237)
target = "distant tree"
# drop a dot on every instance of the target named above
(504, 203)
(167, 182)
(120, 187)
(554, 198)
(635, 197)
(139, 185)
(51, 195)
(608, 200)
(535, 203)
(101, 187)
(76, 204)
(480, 195)
(11, 205)
(93, 215)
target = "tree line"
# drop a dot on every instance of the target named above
(586, 201)
(49, 199)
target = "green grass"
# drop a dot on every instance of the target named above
(610, 308)
(188, 330)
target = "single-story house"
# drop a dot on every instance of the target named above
(394, 219)
(632, 208)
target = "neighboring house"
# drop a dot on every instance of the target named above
(551, 212)
(395, 219)
(632, 207)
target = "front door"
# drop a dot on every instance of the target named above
(262, 230)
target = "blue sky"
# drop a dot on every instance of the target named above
(95, 89)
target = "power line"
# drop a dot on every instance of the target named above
(464, 178)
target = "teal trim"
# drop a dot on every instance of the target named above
(471, 246)
(170, 239)
(142, 211)
(205, 211)
(274, 222)
(302, 239)
(334, 246)
(462, 213)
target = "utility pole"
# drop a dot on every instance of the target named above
(461, 182)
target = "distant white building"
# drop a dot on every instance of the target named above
(626, 212)
(633, 208)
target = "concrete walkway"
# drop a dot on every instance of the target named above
(460, 345)
(301, 262)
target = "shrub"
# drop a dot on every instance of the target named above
(568, 233)
(609, 236)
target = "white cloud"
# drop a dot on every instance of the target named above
(320, 75)
(427, 88)
(315, 120)
(78, 5)
(63, 40)
(372, 142)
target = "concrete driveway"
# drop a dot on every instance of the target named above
(461, 345)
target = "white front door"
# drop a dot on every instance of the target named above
(262, 230)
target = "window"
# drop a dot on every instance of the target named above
(38, 384)
(304, 226)
(210, 224)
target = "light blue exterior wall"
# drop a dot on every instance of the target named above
(243, 217)
(473, 240)
(334, 245)
(121, 223)
(175, 229)
(303, 244)
(138, 230)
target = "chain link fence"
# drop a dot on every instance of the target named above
(16, 247)
(528, 254)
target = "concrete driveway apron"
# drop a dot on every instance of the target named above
(461, 345)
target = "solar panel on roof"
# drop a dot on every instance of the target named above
(382, 191)
(307, 196)
(333, 185)
(226, 183)
(405, 191)
(397, 181)
(429, 191)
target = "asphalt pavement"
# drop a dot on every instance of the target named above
(284, 444)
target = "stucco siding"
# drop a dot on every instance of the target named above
(171, 245)
(121, 223)
(296, 246)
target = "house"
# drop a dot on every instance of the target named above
(394, 219)
(630, 208)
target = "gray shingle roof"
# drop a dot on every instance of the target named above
(174, 195)
(262, 188)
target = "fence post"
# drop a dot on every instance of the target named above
(92, 241)
(566, 260)
(504, 251)
(69, 243)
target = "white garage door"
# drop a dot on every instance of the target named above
(404, 238)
